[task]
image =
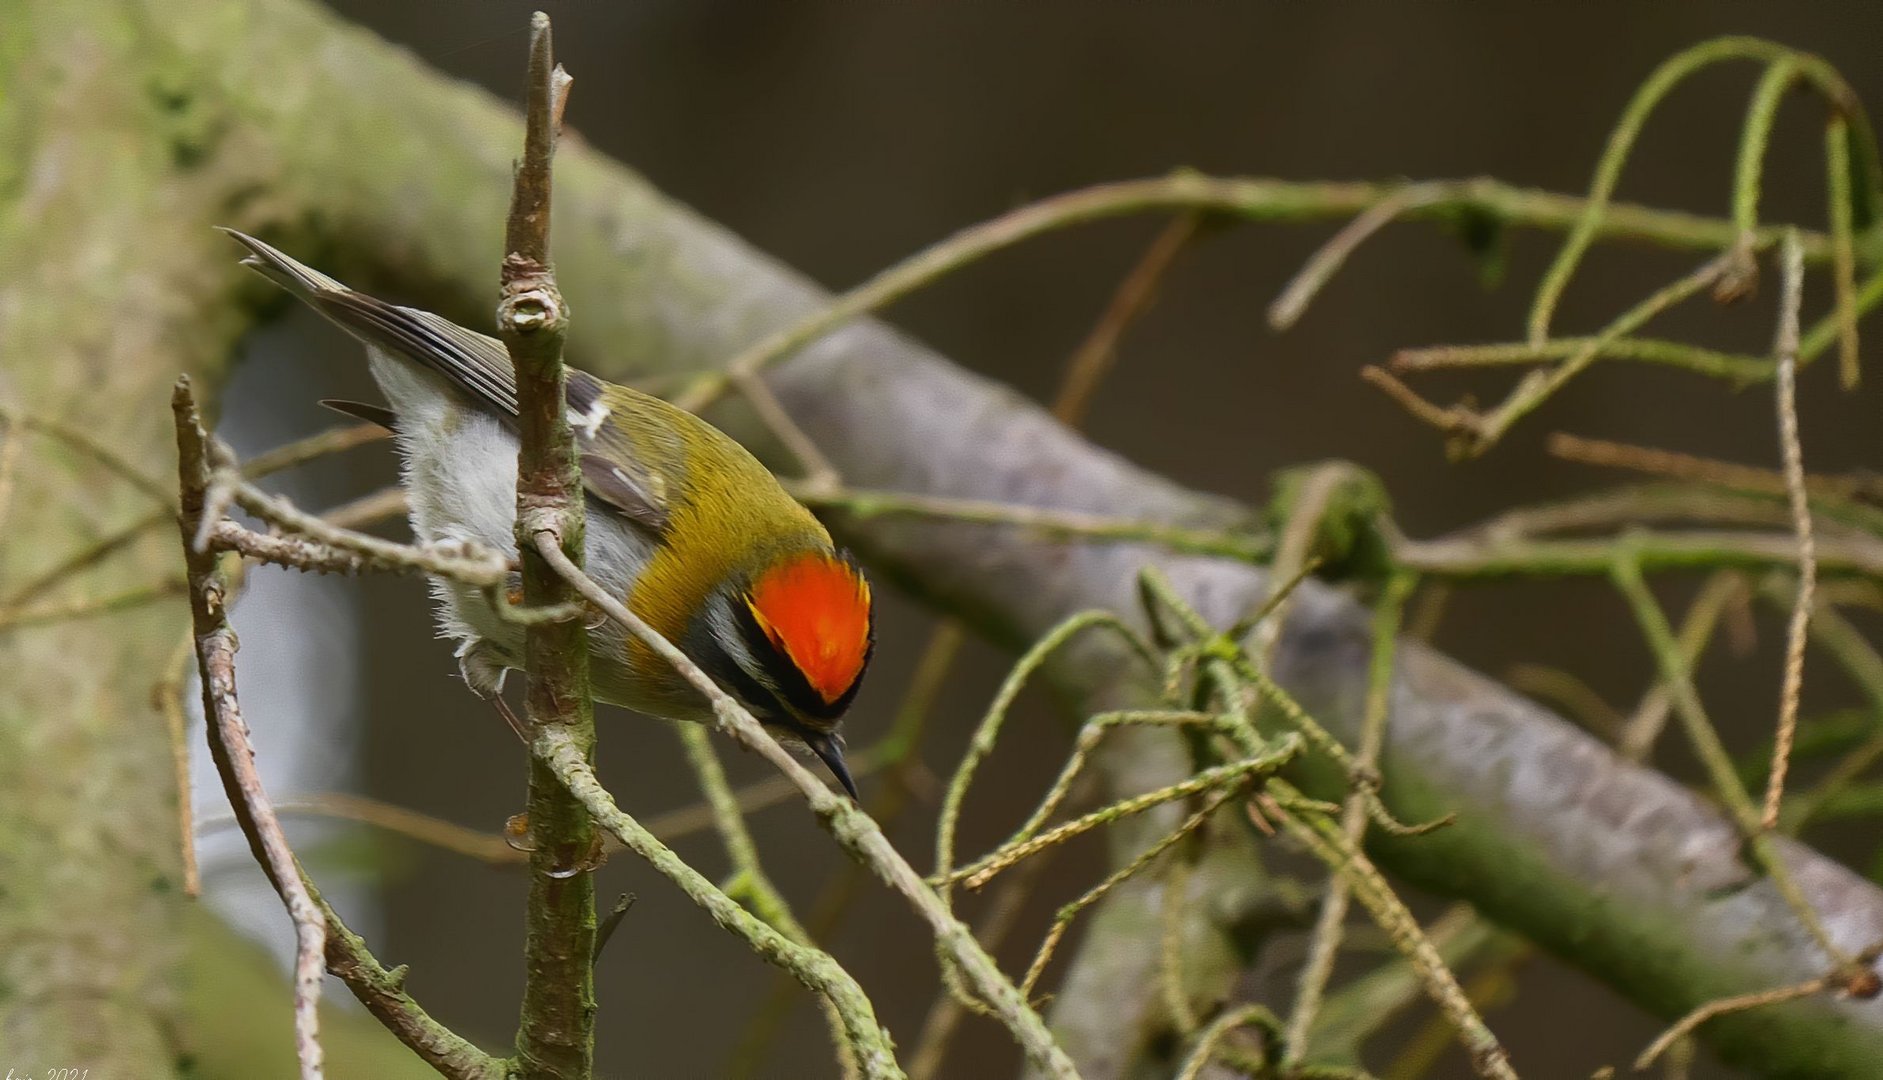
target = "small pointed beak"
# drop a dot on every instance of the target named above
(829, 750)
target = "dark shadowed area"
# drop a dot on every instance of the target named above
(841, 137)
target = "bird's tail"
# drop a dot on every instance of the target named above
(277, 266)
(477, 364)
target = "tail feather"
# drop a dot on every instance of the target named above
(298, 278)
(477, 364)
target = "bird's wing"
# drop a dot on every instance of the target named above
(623, 465)
(360, 410)
(614, 469)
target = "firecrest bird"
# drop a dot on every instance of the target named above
(687, 527)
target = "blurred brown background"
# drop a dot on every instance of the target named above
(842, 136)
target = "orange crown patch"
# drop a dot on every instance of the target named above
(816, 609)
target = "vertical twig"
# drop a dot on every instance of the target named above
(228, 738)
(167, 697)
(1793, 455)
(1755, 135)
(1294, 553)
(1843, 247)
(819, 476)
(555, 1032)
(1643, 727)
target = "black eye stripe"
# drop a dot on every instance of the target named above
(727, 672)
(755, 693)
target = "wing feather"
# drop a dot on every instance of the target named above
(614, 469)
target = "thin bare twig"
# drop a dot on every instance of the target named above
(1838, 498)
(819, 476)
(459, 562)
(496, 849)
(1294, 551)
(229, 745)
(1252, 198)
(1093, 359)
(1470, 556)
(87, 606)
(1567, 694)
(295, 453)
(370, 509)
(83, 442)
(1538, 386)
(1687, 1024)
(1671, 464)
(1066, 523)
(1786, 351)
(334, 440)
(1328, 259)
(1644, 726)
(167, 697)
(1843, 246)
(1733, 367)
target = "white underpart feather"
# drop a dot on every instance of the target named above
(459, 468)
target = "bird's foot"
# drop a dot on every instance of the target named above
(516, 833)
(481, 667)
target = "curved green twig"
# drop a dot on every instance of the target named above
(1670, 74)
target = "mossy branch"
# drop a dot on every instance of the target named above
(556, 1031)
